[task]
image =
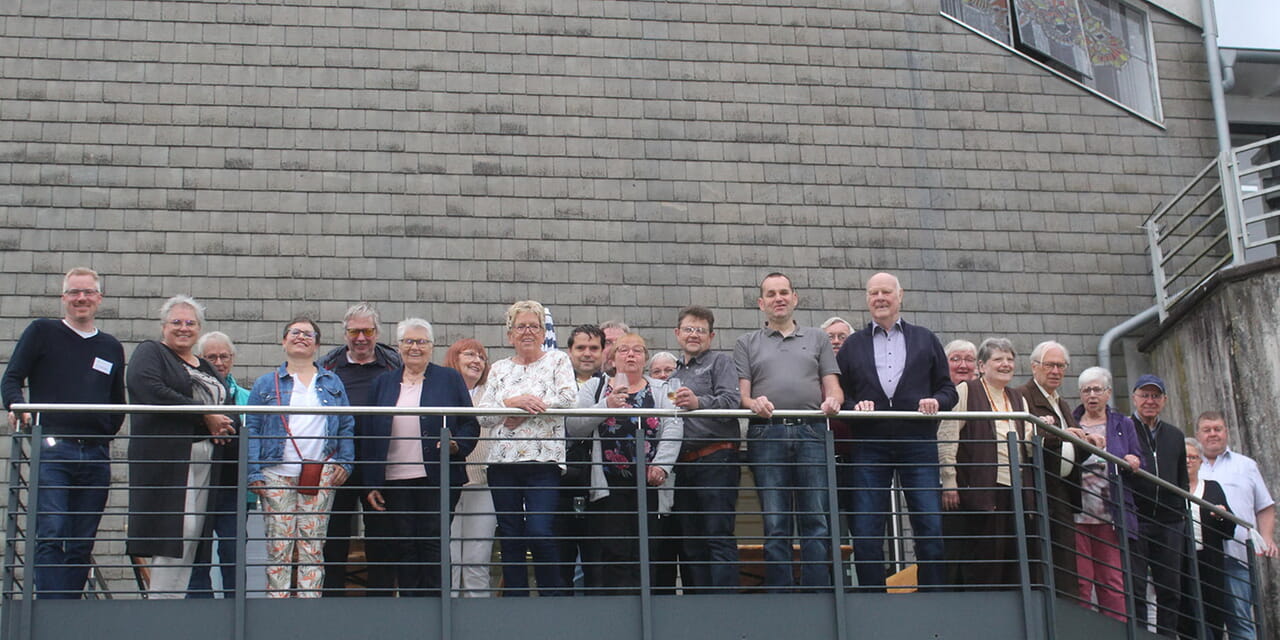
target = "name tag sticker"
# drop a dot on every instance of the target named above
(102, 366)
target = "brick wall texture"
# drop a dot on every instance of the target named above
(611, 158)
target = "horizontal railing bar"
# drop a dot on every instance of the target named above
(603, 412)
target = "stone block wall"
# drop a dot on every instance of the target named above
(611, 158)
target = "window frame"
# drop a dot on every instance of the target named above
(1156, 119)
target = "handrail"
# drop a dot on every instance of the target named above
(595, 411)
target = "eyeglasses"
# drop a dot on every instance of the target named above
(474, 354)
(694, 331)
(414, 342)
(1055, 366)
(1094, 391)
(527, 328)
(217, 357)
(76, 293)
(368, 333)
(959, 359)
(629, 350)
(1194, 458)
(300, 333)
(175, 323)
(1148, 395)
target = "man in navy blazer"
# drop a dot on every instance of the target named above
(891, 365)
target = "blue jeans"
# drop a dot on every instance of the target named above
(789, 463)
(916, 463)
(73, 492)
(222, 521)
(525, 496)
(705, 501)
(1240, 601)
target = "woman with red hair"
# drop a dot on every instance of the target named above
(471, 533)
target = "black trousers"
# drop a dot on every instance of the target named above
(408, 534)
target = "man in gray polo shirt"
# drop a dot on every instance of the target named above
(784, 366)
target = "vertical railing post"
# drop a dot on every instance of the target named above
(1041, 484)
(1232, 205)
(1157, 266)
(1126, 565)
(446, 538)
(1020, 535)
(642, 530)
(26, 627)
(1189, 549)
(833, 530)
(16, 457)
(239, 623)
(1255, 588)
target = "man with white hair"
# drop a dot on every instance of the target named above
(357, 363)
(1049, 364)
(838, 330)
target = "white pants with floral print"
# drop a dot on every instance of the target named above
(295, 522)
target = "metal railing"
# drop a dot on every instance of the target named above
(1034, 535)
(1227, 215)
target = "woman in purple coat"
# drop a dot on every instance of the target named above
(1097, 541)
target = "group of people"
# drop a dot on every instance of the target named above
(566, 491)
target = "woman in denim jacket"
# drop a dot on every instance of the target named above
(297, 514)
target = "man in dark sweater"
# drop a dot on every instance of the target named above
(68, 361)
(357, 363)
(1161, 513)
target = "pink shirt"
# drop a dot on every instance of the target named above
(404, 456)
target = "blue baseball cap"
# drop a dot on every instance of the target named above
(1149, 380)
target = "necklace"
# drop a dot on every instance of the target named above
(992, 399)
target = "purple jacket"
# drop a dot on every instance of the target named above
(1122, 440)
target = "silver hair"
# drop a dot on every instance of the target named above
(414, 323)
(834, 319)
(1037, 354)
(960, 345)
(181, 300)
(661, 354)
(214, 336)
(991, 345)
(362, 310)
(1192, 442)
(615, 324)
(1094, 373)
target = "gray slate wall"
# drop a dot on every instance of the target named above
(609, 158)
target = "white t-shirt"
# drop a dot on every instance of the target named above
(308, 431)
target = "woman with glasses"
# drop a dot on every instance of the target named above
(471, 535)
(296, 460)
(527, 455)
(962, 360)
(615, 501)
(977, 471)
(402, 467)
(1098, 562)
(170, 468)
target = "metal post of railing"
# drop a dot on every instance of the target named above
(833, 530)
(27, 628)
(239, 623)
(1255, 589)
(1157, 267)
(1189, 549)
(642, 533)
(446, 560)
(1020, 535)
(1046, 535)
(897, 544)
(1232, 206)
(1126, 565)
(11, 526)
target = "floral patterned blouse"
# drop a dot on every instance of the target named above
(539, 438)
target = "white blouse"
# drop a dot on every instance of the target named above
(540, 438)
